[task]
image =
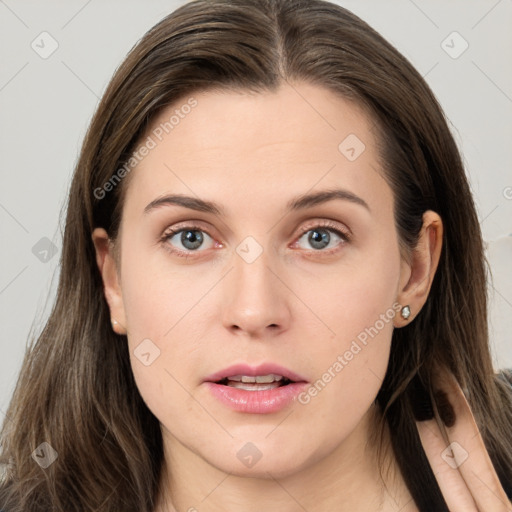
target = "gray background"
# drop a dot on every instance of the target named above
(46, 105)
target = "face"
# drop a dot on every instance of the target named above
(266, 282)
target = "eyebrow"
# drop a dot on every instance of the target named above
(298, 203)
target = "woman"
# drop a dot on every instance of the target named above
(203, 352)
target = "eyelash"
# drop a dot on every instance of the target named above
(194, 227)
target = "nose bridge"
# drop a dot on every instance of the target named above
(255, 300)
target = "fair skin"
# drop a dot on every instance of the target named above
(295, 304)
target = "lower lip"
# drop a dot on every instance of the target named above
(257, 402)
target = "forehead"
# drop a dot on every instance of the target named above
(271, 145)
(293, 113)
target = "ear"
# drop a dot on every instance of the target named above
(417, 275)
(107, 265)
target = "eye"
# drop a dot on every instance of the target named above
(190, 237)
(321, 236)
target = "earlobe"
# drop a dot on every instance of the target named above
(419, 273)
(107, 266)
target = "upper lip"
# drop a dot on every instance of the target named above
(253, 371)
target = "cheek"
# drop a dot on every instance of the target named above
(159, 296)
(163, 308)
(355, 294)
(358, 305)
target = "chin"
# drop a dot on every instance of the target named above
(278, 467)
(263, 459)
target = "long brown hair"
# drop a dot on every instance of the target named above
(76, 390)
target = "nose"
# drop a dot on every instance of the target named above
(255, 300)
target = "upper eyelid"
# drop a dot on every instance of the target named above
(324, 223)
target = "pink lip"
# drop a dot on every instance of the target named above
(256, 402)
(253, 371)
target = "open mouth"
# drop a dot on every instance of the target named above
(257, 383)
(263, 389)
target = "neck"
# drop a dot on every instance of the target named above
(346, 479)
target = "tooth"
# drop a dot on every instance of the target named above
(265, 378)
(253, 387)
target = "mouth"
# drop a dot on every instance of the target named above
(255, 383)
(263, 389)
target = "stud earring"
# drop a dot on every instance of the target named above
(405, 312)
(117, 327)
